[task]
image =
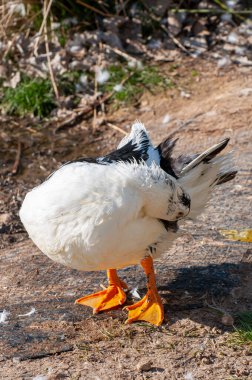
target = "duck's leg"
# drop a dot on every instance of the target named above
(108, 298)
(150, 307)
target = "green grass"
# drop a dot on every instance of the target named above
(139, 79)
(243, 329)
(35, 96)
(31, 96)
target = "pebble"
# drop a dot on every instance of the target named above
(225, 61)
(144, 366)
(227, 320)
(246, 91)
(4, 218)
(233, 38)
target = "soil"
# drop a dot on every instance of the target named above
(202, 274)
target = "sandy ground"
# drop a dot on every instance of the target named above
(201, 273)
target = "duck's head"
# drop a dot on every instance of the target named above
(179, 205)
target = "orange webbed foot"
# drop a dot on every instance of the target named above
(108, 298)
(149, 309)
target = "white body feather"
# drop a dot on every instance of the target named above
(93, 217)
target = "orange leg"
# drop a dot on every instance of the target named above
(108, 298)
(150, 307)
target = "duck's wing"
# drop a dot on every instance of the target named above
(167, 163)
(136, 146)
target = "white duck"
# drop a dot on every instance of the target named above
(119, 210)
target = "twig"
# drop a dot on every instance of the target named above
(96, 87)
(41, 355)
(77, 117)
(123, 7)
(122, 53)
(17, 159)
(48, 57)
(93, 8)
(46, 13)
(116, 128)
(215, 307)
(212, 10)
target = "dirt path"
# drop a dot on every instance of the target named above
(61, 340)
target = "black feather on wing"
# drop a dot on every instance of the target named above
(130, 151)
(127, 153)
(165, 150)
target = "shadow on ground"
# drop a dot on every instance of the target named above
(53, 328)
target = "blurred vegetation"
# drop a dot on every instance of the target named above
(36, 18)
(35, 95)
(139, 79)
(243, 329)
(31, 96)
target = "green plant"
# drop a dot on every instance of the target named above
(243, 329)
(135, 81)
(31, 96)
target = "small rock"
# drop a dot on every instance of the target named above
(199, 28)
(174, 24)
(4, 218)
(159, 6)
(112, 39)
(77, 65)
(239, 50)
(188, 376)
(232, 38)
(15, 80)
(226, 17)
(16, 359)
(144, 366)
(225, 61)
(154, 44)
(4, 316)
(227, 320)
(184, 94)
(58, 376)
(244, 61)
(198, 43)
(227, 47)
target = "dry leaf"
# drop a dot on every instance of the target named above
(243, 235)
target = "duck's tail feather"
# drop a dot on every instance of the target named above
(206, 156)
(202, 174)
